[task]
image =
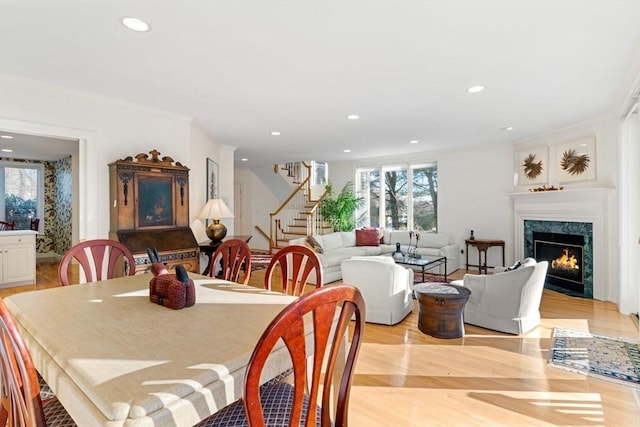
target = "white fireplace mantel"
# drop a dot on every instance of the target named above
(577, 205)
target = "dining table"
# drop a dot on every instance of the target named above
(114, 358)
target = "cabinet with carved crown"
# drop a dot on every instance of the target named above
(149, 207)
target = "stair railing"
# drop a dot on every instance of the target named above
(287, 212)
(298, 203)
(315, 222)
(296, 173)
(265, 235)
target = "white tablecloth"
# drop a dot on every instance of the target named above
(114, 358)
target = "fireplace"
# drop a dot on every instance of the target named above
(568, 247)
(565, 254)
(580, 211)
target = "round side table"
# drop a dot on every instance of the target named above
(441, 307)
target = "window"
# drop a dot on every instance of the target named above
(22, 185)
(396, 198)
(425, 197)
(368, 187)
(406, 200)
(319, 173)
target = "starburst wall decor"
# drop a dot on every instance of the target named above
(533, 165)
(576, 160)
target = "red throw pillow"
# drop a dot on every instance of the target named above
(367, 237)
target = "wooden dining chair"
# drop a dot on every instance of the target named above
(21, 404)
(308, 400)
(296, 263)
(98, 260)
(4, 225)
(233, 257)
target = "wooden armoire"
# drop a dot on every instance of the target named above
(149, 207)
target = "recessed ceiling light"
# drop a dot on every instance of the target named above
(413, 141)
(6, 136)
(275, 133)
(7, 150)
(353, 117)
(244, 159)
(475, 89)
(508, 128)
(347, 150)
(135, 24)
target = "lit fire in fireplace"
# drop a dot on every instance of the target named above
(565, 262)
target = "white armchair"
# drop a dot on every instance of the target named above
(508, 301)
(386, 287)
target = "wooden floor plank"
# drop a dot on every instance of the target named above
(406, 378)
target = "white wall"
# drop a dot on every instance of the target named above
(473, 194)
(605, 131)
(108, 130)
(473, 187)
(474, 183)
(226, 172)
(259, 202)
(340, 173)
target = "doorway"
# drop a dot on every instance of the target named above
(54, 157)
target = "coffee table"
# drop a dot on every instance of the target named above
(441, 309)
(424, 264)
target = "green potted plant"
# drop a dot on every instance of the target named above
(339, 209)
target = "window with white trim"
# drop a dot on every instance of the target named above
(22, 185)
(399, 197)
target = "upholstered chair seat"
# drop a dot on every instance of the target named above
(508, 301)
(386, 287)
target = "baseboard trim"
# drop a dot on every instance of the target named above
(47, 258)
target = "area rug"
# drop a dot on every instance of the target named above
(609, 358)
(260, 261)
(417, 278)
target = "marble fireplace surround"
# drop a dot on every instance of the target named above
(589, 205)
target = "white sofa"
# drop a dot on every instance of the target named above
(385, 286)
(508, 301)
(339, 246)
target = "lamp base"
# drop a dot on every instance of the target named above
(216, 231)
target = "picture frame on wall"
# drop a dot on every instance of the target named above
(213, 188)
(576, 160)
(533, 166)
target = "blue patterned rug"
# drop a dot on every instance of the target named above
(609, 358)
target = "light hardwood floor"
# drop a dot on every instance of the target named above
(406, 378)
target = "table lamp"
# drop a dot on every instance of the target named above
(215, 210)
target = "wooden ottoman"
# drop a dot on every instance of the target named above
(441, 308)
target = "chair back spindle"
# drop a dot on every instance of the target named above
(315, 380)
(234, 258)
(98, 260)
(21, 403)
(5, 225)
(296, 263)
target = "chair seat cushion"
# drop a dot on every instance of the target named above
(277, 401)
(55, 414)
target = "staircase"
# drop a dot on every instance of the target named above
(298, 216)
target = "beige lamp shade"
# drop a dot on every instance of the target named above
(215, 210)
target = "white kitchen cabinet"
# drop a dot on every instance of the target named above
(17, 258)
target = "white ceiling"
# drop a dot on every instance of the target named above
(31, 147)
(245, 68)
